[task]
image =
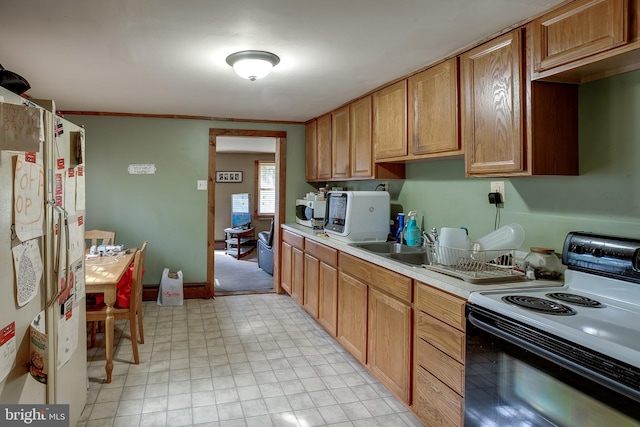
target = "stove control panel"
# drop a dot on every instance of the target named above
(615, 257)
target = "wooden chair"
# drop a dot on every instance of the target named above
(98, 313)
(100, 237)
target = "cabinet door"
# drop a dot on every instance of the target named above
(323, 151)
(390, 121)
(297, 274)
(435, 403)
(352, 316)
(311, 284)
(340, 150)
(285, 269)
(492, 97)
(360, 139)
(328, 298)
(390, 342)
(578, 30)
(311, 145)
(433, 110)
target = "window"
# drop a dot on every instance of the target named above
(266, 188)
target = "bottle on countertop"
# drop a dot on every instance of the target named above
(400, 230)
(412, 233)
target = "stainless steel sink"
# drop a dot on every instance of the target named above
(413, 258)
(387, 247)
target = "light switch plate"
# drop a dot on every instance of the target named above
(202, 184)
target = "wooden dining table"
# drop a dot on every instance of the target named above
(101, 275)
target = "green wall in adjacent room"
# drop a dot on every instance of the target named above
(167, 210)
(164, 208)
(604, 198)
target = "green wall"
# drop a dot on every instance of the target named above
(164, 208)
(167, 210)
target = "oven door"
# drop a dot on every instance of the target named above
(508, 385)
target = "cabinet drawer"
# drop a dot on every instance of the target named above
(449, 371)
(441, 305)
(293, 239)
(442, 336)
(435, 403)
(378, 277)
(321, 252)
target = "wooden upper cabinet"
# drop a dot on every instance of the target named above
(360, 138)
(578, 30)
(511, 125)
(390, 121)
(340, 147)
(323, 151)
(492, 94)
(311, 146)
(433, 111)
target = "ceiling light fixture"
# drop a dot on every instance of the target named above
(252, 64)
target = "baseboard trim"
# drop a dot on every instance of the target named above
(190, 290)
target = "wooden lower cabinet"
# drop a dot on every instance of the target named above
(285, 267)
(292, 265)
(297, 274)
(311, 284)
(321, 284)
(410, 335)
(435, 403)
(352, 315)
(390, 343)
(328, 298)
(382, 298)
(439, 356)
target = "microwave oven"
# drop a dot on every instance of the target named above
(358, 216)
(310, 213)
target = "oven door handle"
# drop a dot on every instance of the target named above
(593, 375)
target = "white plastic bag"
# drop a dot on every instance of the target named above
(170, 292)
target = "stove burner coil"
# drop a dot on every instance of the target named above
(575, 299)
(539, 304)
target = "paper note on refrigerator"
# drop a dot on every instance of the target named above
(70, 191)
(7, 349)
(38, 343)
(76, 240)
(80, 196)
(67, 335)
(28, 196)
(28, 266)
(19, 127)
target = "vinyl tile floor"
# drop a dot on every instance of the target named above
(249, 360)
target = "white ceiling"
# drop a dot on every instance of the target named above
(168, 56)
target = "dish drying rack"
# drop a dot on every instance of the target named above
(473, 266)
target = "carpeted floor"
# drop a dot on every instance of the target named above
(243, 276)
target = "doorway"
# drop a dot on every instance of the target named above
(280, 164)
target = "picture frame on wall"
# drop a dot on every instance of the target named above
(228, 176)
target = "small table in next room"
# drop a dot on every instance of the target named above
(240, 241)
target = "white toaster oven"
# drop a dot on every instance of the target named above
(310, 213)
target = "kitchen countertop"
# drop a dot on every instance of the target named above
(441, 281)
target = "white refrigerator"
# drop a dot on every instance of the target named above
(42, 306)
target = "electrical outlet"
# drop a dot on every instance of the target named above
(385, 185)
(498, 187)
(201, 184)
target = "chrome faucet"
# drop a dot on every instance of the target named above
(434, 234)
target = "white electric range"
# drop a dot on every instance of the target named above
(590, 325)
